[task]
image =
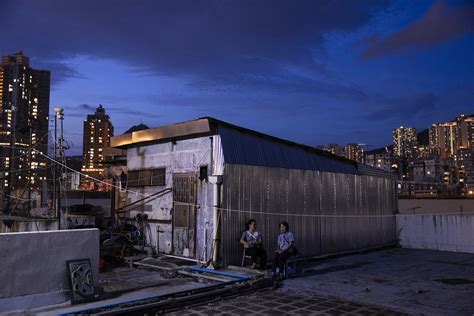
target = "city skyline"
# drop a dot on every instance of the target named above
(349, 79)
(24, 123)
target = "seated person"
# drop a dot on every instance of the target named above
(286, 248)
(252, 240)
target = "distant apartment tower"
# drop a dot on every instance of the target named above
(97, 132)
(24, 108)
(404, 142)
(466, 131)
(381, 160)
(446, 139)
(465, 162)
(335, 149)
(73, 177)
(354, 152)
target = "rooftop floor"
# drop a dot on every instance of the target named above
(406, 280)
(277, 303)
(123, 285)
(392, 281)
(127, 284)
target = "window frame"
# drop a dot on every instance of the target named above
(135, 176)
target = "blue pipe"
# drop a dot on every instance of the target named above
(240, 277)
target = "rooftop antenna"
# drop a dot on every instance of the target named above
(57, 178)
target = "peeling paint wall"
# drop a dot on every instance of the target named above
(437, 232)
(35, 262)
(181, 156)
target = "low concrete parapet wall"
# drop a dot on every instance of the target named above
(437, 232)
(24, 224)
(436, 206)
(35, 262)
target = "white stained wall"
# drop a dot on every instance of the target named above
(436, 206)
(183, 156)
(437, 232)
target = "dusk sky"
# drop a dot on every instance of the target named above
(315, 72)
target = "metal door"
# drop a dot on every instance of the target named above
(184, 214)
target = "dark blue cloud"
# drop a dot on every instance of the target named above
(440, 23)
(82, 110)
(403, 107)
(198, 38)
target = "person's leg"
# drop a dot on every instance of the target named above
(276, 259)
(263, 258)
(253, 252)
(283, 257)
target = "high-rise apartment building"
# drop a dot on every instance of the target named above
(24, 108)
(465, 162)
(335, 149)
(446, 139)
(97, 132)
(404, 142)
(466, 131)
(354, 152)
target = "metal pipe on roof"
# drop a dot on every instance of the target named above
(217, 181)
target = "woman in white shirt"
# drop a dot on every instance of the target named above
(286, 248)
(252, 239)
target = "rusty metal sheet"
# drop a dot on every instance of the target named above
(188, 128)
(120, 140)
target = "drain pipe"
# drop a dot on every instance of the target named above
(216, 181)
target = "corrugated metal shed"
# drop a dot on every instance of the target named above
(332, 204)
(376, 172)
(327, 212)
(241, 147)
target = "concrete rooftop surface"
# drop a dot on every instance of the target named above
(405, 280)
(127, 284)
(393, 281)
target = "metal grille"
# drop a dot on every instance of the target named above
(184, 215)
(140, 178)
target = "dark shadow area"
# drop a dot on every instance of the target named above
(455, 281)
(355, 265)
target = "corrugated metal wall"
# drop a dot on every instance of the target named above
(332, 209)
(250, 149)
